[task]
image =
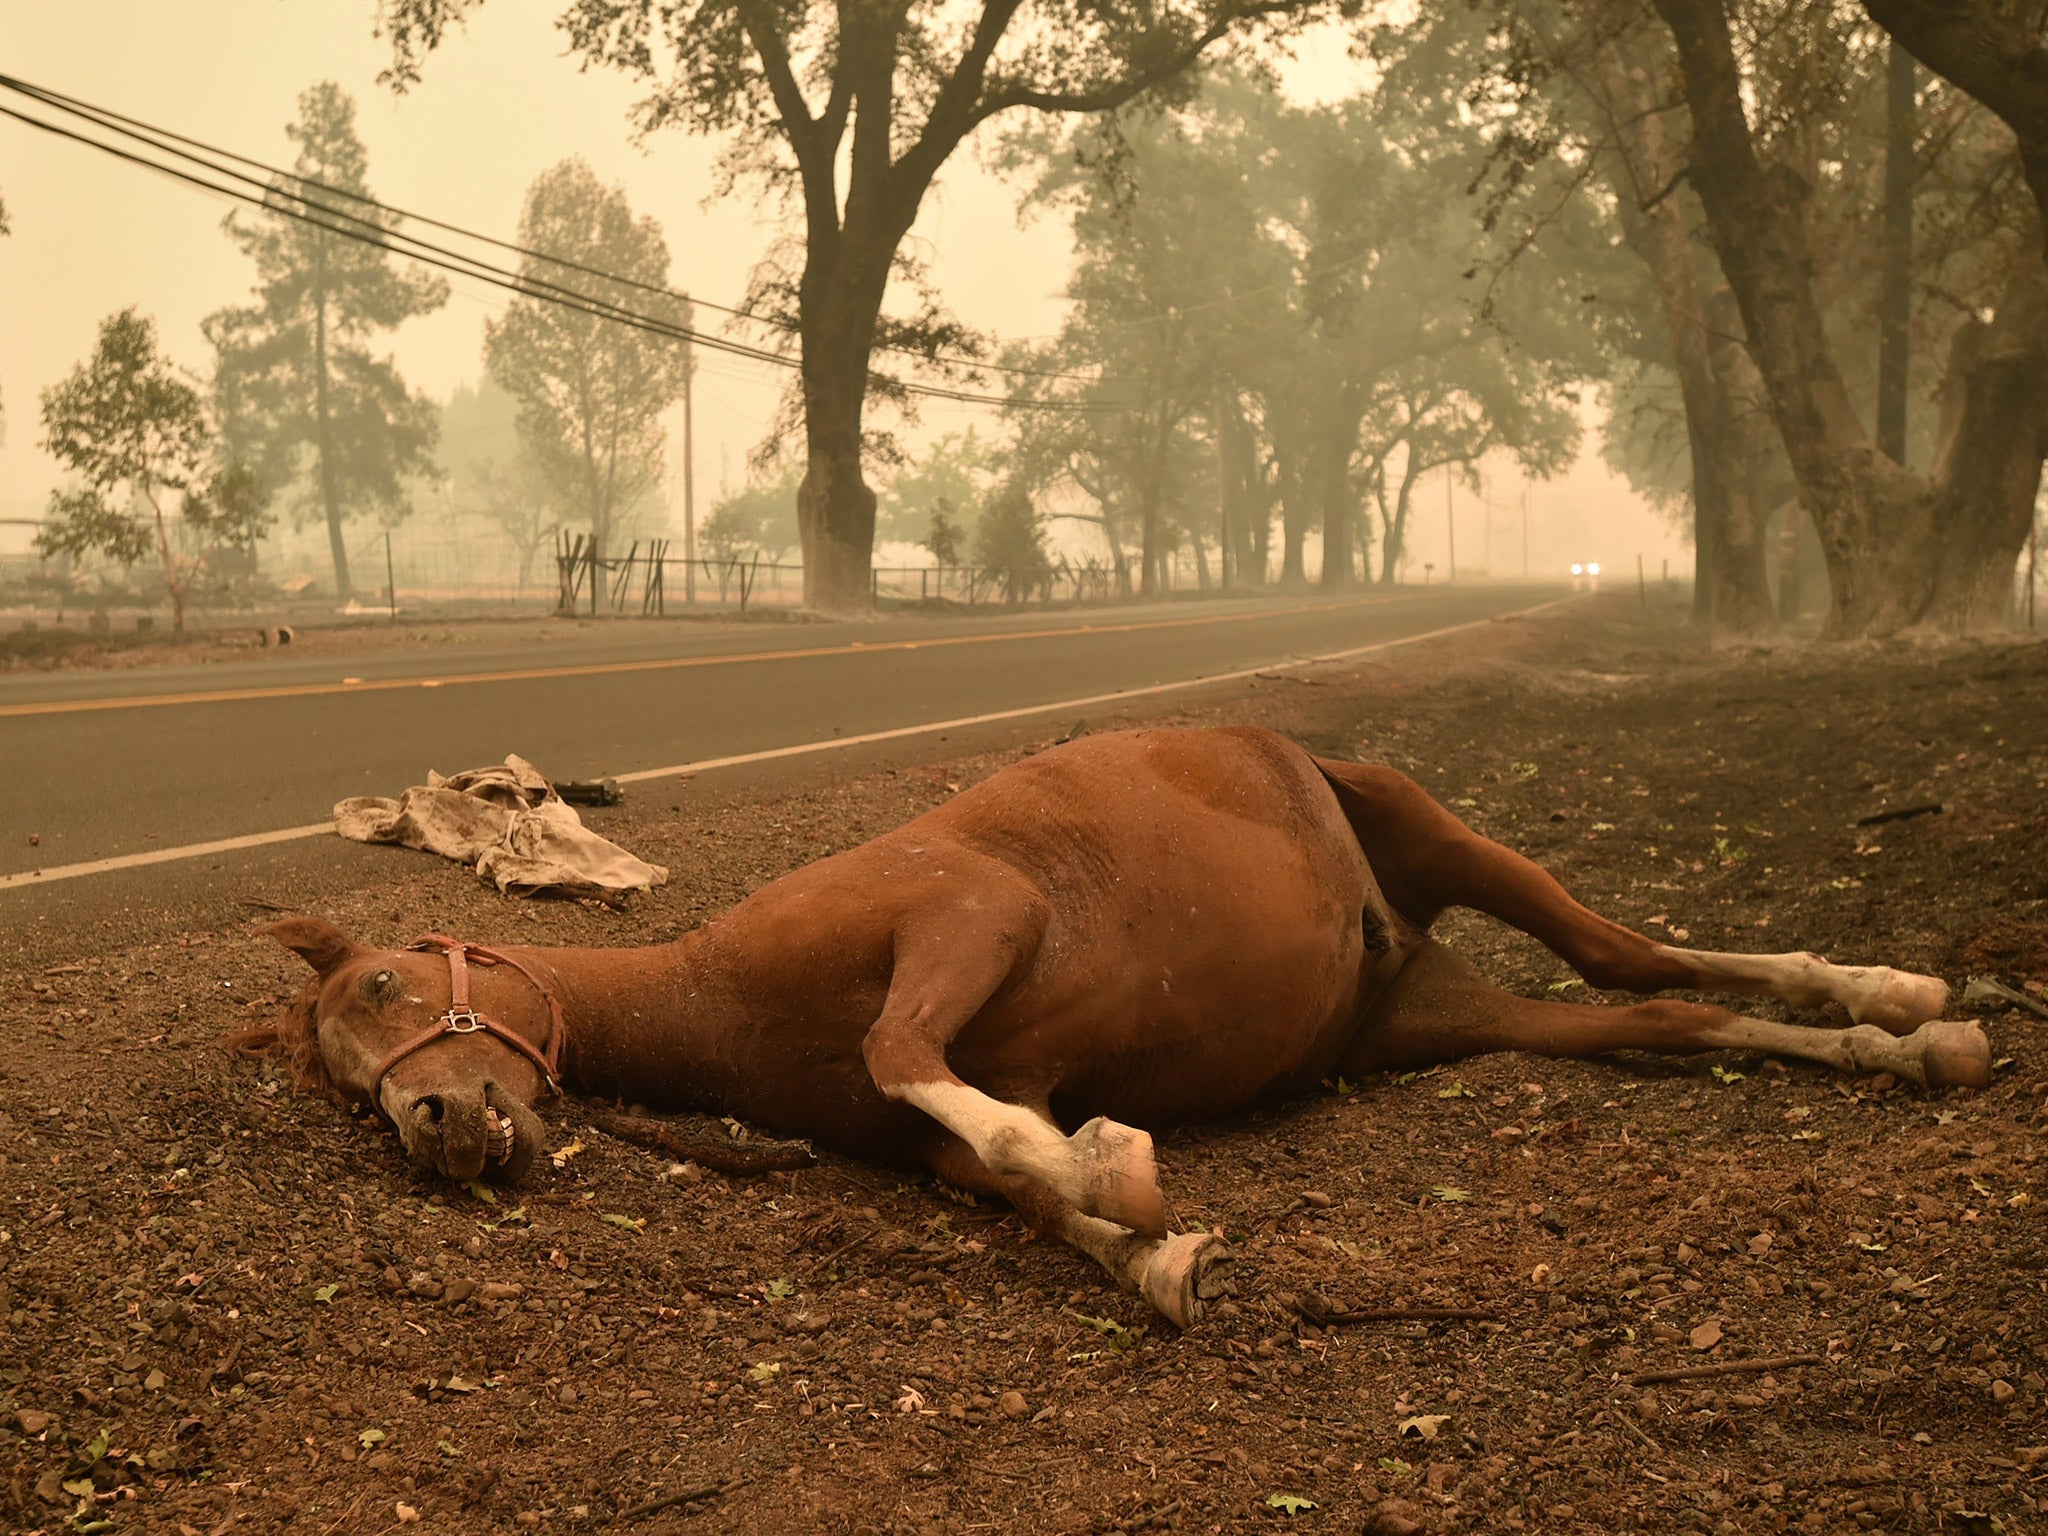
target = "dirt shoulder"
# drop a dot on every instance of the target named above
(220, 1300)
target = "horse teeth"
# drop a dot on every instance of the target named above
(498, 1135)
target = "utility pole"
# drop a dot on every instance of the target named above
(1450, 529)
(1525, 530)
(689, 485)
(1222, 496)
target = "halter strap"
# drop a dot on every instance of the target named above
(462, 1019)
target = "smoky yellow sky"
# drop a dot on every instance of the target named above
(499, 103)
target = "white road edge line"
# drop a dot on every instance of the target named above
(800, 749)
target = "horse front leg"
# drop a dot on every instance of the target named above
(1179, 1275)
(949, 962)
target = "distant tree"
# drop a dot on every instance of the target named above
(853, 110)
(489, 472)
(945, 538)
(295, 374)
(591, 391)
(958, 470)
(758, 520)
(1009, 543)
(136, 435)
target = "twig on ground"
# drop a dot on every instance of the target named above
(1932, 808)
(1313, 1309)
(1723, 1368)
(846, 1247)
(671, 1500)
(714, 1152)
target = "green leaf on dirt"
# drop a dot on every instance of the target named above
(766, 1371)
(447, 1448)
(370, 1437)
(1394, 1464)
(626, 1223)
(778, 1290)
(1725, 1075)
(1449, 1193)
(512, 1218)
(81, 1487)
(1566, 985)
(327, 1293)
(1525, 770)
(482, 1191)
(1289, 1504)
(1456, 1091)
(96, 1448)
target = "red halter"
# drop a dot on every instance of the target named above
(461, 1019)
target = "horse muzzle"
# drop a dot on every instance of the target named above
(466, 1133)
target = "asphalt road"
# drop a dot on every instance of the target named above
(102, 765)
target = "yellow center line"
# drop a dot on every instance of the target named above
(661, 664)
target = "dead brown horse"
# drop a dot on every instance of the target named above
(1128, 931)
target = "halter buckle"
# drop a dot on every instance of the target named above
(462, 1021)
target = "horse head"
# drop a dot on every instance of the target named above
(451, 1043)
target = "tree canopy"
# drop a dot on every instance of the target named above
(303, 399)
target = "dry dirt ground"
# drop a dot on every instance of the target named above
(225, 1306)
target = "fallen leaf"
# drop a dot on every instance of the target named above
(1289, 1504)
(561, 1155)
(625, 1223)
(766, 1371)
(327, 1292)
(1424, 1426)
(1455, 1091)
(370, 1437)
(1724, 1075)
(482, 1191)
(1394, 1464)
(1450, 1193)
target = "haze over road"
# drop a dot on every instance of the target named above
(108, 764)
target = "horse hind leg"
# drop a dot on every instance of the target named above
(1426, 860)
(1180, 1275)
(1437, 1009)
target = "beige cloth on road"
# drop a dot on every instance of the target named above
(509, 823)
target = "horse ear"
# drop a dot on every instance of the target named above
(320, 944)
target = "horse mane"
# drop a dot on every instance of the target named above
(293, 1037)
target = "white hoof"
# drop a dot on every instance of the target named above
(1120, 1177)
(1899, 1002)
(1184, 1274)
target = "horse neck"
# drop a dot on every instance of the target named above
(644, 1024)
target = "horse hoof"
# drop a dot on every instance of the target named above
(1903, 1002)
(1184, 1274)
(1121, 1176)
(1956, 1054)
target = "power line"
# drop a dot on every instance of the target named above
(168, 141)
(369, 232)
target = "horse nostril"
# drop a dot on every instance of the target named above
(431, 1103)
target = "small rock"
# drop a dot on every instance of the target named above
(502, 1290)
(1315, 1199)
(1012, 1405)
(527, 1518)
(32, 1423)
(1707, 1335)
(407, 1514)
(2002, 1391)
(567, 1396)
(458, 1291)
(474, 1246)
(1393, 1517)
(424, 1286)
(154, 1381)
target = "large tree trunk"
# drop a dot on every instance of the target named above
(1395, 542)
(1296, 514)
(1730, 593)
(1339, 503)
(1885, 533)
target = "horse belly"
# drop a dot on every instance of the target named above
(1194, 1000)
